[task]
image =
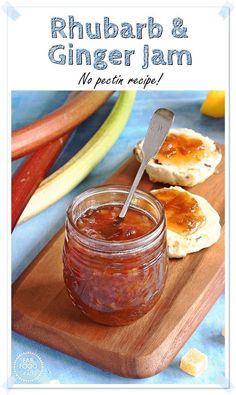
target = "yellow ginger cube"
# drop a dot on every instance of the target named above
(194, 362)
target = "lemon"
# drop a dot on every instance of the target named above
(214, 104)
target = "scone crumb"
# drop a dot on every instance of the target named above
(194, 362)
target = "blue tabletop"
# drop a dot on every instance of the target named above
(29, 238)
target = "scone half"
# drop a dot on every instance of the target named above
(184, 169)
(180, 243)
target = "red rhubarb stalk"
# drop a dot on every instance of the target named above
(30, 137)
(29, 175)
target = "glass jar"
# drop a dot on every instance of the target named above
(115, 282)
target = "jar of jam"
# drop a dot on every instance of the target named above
(114, 269)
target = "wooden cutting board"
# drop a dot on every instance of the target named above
(43, 311)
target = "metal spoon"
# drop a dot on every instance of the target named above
(158, 129)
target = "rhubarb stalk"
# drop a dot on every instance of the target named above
(29, 175)
(77, 168)
(33, 170)
(30, 137)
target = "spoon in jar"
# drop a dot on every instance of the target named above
(157, 132)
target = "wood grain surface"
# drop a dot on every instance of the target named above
(42, 310)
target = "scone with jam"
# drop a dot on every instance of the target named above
(186, 158)
(192, 223)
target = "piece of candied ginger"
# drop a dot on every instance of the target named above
(194, 362)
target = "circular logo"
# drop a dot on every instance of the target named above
(28, 366)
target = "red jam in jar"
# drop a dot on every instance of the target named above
(102, 223)
(115, 270)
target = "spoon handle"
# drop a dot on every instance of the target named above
(132, 189)
(158, 129)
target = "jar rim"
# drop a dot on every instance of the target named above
(118, 245)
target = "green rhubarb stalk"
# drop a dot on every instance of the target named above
(77, 168)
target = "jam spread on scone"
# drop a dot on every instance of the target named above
(183, 213)
(180, 150)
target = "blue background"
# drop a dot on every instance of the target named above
(29, 238)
